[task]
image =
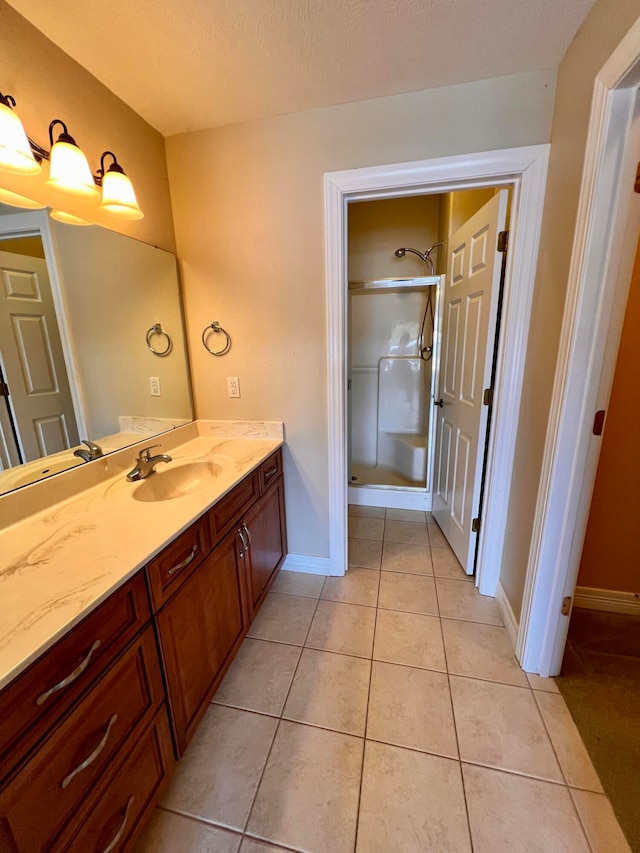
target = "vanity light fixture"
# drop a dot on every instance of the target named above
(118, 197)
(15, 149)
(69, 170)
(68, 218)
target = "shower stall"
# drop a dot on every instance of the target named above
(393, 359)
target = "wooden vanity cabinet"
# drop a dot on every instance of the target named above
(265, 538)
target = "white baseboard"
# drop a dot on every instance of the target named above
(508, 616)
(390, 497)
(607, 600)
(309, 565)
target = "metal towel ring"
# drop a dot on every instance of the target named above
(216, 327)
(157, 329)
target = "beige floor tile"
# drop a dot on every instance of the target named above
(344, 628)
(409, 638)
(461, 600)
(250, 845)
(481, 651)
(437, 538)
(565, 737)
(298, 583)
(260, 676)
(411, 707)
(358, 586)
(406, 515)
(284, 619)
(365, 553)
(411, 532)
(446, 565)
(403, 557)
(500, 726)
(519, 814)
(330, 691)
(172, 833)
(548, 685)
(411, 802)
(367, 511)
(218, 776)
(600, 823)
(411, 593)
(308, 797)
(366, 528)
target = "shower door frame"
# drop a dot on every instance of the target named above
(524, 170)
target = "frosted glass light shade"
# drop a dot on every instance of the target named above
(69, 172)
(15, 152)
(15, 200)
(68, 218)
(118, 197)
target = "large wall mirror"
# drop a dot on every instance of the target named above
(82, 310)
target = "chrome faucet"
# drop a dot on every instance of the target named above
(145, 464)
(94, 451)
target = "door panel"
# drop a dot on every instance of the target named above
(32, 358)
(470, 300)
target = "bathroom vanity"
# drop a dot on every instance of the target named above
(93, 720)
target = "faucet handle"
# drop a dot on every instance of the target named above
(145, 453)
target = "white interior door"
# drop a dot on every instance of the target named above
(469, 318)
(32, 358)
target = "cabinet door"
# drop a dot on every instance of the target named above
(200, 629)
(267, 542)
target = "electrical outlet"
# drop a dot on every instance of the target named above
(154, 386)
(233, 386)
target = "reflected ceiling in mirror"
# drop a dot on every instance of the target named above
(81, 310)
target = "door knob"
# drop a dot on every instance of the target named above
(439, 402)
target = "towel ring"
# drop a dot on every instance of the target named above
(157, 329)
(216, 327)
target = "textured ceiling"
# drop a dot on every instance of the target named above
(193, 64)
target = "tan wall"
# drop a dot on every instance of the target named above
(611, 554)
(46, 84)
(249, 215)
(602, 31)
(378, 228)
(29, 246)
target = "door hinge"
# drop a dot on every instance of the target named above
(598, 422)
(636, 186)
(4, 389)
(566, 605)
(475, 525)
(503, 241)
(487, 397)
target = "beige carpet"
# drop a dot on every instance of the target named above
(600, 682)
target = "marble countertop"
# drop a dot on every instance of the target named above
(59, 564)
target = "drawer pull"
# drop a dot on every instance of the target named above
(271, 471)
(248, 532)
(91, 758)
(70, 678)
(244, 547)
(116, 838)
(184, 563)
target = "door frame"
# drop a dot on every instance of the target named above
(36, 223)
(604, 247)
(524, 170)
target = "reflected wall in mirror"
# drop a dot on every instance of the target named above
(78, 312)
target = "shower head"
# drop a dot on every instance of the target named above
(400, 253)
(424, 256)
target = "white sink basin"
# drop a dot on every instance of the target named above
(175, 481)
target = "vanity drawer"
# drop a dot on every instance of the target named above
(270, 470)
(171, 567)
(50, 788)
(130, 796)
(36, 699)
(232, 506)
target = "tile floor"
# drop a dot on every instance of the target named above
(381, 712)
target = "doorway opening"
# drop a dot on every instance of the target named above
(422, 332)
(523, 170)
